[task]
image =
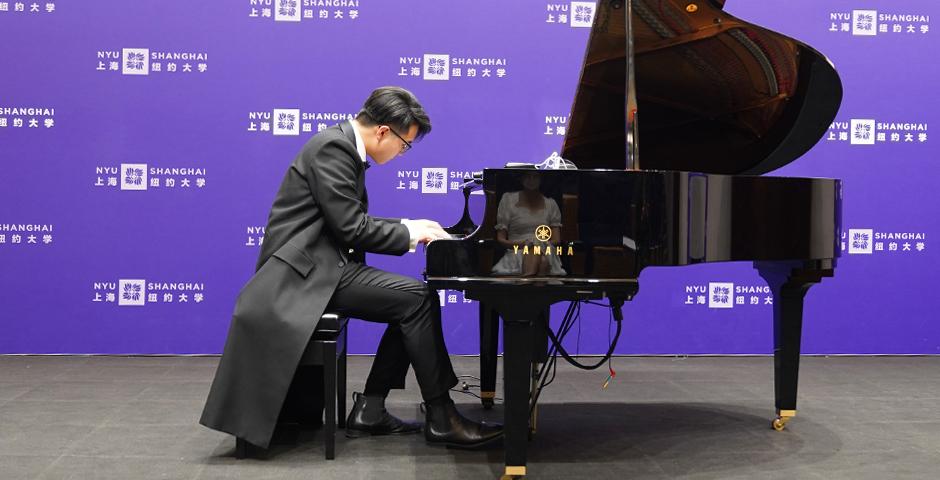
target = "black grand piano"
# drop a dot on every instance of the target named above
(679, 110)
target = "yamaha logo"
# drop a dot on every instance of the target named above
(543, 233)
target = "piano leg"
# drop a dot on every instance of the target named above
(789, 282)
(517, 371)
(489, 341)
(539, 359)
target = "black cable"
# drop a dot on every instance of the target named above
(562, 336)
(564, 353)
(554, 370)
(578, 346)
(467, 392)
(571, 315)
(610, 320)
(551, 364)
(557, 347)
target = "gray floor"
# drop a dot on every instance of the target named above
(136, 418)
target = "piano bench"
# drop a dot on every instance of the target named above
(327, 348)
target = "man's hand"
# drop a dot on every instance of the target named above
(427, 230)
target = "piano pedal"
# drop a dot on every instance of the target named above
(783, 416)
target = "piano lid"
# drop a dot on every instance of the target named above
(714, 94)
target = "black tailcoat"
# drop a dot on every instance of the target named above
(318, 222)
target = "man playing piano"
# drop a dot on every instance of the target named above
(312, 261)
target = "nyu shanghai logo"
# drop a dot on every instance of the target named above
(140, 176)
(444, 66)
(138, 292)
(47, 6)
(860, 240)
(132, 292)
(451, 297)
(255, 236)
(869, 23)
(437, 67)
(432, 180)
(870, 132)
(286, 121)
(143, 61)
(135, 61)
(720, 295)
(555, 125)
(296, 10)
(293, 121)
(28, 234)
(574, 14)
(724, 295)
(867, 241)
(133, 176)
(30, 117)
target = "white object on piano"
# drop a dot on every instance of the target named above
(555, 162)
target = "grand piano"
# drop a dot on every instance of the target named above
(718, 103)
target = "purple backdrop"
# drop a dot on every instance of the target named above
(141, 145)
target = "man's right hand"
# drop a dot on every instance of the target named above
(427, 230)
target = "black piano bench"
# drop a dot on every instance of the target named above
(327, 348)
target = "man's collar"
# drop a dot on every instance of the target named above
(360, 145)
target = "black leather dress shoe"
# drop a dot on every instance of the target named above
(446, 426)
(369, 417)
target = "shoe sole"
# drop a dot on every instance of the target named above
(363, 433)
(465, 446)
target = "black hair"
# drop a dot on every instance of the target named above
(397, 107)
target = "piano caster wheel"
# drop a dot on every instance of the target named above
(488, 403)
(783, 417)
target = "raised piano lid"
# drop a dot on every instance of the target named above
(715, 94)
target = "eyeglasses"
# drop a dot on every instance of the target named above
(406, 145)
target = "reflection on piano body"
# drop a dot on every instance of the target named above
(680, 110)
